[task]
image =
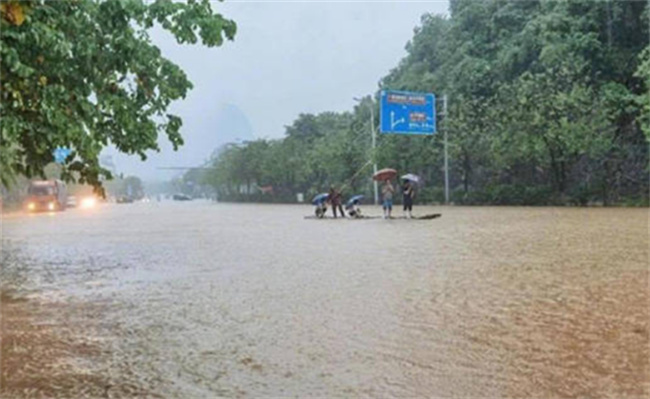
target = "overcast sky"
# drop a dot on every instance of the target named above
(287, 58)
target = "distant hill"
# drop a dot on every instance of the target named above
(231, 125)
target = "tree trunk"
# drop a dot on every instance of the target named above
(467, 170)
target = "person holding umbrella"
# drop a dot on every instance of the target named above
(409, 193)
(321, 204)
(387, 196)
(387, 191)
(352, 206)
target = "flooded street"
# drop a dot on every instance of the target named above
(201, 300)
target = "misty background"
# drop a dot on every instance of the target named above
(287, 58)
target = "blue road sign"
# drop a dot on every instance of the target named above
(403, 112)
(60, 154)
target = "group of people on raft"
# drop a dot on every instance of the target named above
(334, 199)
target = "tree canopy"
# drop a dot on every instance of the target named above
(85, 74)
(549, 104)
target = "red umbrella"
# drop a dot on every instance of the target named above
(385, 174)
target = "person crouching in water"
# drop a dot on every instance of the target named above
(409, 193)
(387, 195)
(335, 201)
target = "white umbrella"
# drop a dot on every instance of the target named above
(411, 177)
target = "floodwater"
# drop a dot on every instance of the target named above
(196, 299)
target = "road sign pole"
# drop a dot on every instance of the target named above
(374, 145)
(446, 156)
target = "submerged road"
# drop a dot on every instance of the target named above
(199, 299)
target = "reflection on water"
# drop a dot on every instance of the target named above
(198, 299)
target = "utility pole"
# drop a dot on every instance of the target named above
(446, 156)
(374, 145)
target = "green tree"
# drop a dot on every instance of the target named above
(549, 103)
(84, 74)
(643, 99)
(552, 120)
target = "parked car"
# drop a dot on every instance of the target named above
(123, 199)
(181, 197)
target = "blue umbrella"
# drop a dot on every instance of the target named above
(354, 200)
(320, 198)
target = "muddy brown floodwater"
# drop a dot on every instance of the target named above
(197, 299)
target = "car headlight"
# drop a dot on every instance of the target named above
(88, 202)
(51, 206)
(31, 206)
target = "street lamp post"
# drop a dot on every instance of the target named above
(374, 145)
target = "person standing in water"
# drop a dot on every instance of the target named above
(409, 193)
(387, 195)
(335, 201)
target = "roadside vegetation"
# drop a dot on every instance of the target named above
(85, 74)
(548, 104)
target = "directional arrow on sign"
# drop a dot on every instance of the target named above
(394, 122)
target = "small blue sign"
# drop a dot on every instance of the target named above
(403, 112)
(60, 154)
